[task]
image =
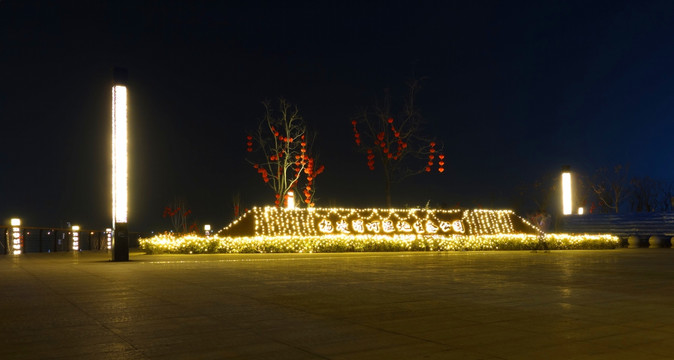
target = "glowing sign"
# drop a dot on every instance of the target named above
(279, 221)
(388, 226)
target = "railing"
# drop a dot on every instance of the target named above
(623, 225)
(41, 239)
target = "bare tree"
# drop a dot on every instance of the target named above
(397, 142)
(649, 195)
(644, 194)
(284, 145)
(611, 186)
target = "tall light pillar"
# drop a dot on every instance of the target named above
(120, 237)
(567, 197)
(75, 238)
(17, 247)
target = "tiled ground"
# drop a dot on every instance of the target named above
(615, 304)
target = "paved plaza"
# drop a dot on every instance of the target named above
(608, 304)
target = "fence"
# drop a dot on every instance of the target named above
(39, 239)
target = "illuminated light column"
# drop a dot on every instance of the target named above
(207, 230)
(108, 235)
(16, 236)
(120, 237)
(291, 200)
(567, 206)
(76, 238)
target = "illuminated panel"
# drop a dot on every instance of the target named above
(76, 238)
(119, 155)
(275, 221)
(566, 194)
(581, 210)
(16, 236)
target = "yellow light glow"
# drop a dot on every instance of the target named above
(581, 210)
(169, 243)
(567, 206)
(119, 154)
(16, 222)
(275, 221)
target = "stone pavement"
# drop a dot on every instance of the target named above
(609, 304)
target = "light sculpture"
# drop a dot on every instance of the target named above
(16, 236)
(120, 238)
(567, 206)
(76, 238)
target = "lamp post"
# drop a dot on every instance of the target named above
(120, 237)
(567, 203)
(76, 238)
(16, 236)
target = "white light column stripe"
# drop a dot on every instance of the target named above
(119, 155)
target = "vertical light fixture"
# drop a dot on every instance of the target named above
(291, 200)
(120, 237)
(108, 235)
(16, 236)
(567, 206)
(76, 238)
(207, 230)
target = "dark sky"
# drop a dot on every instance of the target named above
(514, 90)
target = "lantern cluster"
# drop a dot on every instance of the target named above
(390, 149)
(249, 143)
(401, 145)
(356, 134)
(431, 158)
(263, 172)
(311, 173)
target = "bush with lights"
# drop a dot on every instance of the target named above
(278, 230)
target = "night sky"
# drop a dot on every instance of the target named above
(514, 90)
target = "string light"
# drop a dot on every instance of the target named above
(169, 243)
(274, 229)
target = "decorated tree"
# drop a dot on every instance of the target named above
(178, 214)
(396, 141)
(283, 154)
